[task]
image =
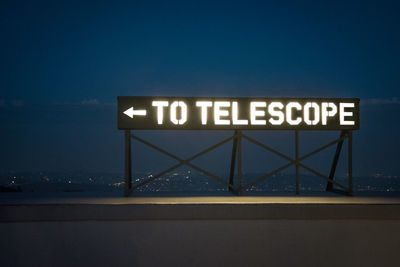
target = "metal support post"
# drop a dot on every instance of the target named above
(233, 160)
(128, 163)
(297, 165)
(350, 160)
(239, 146)
(329, 186)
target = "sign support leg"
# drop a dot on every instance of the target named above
(297, 165)
(350, 160)
(329, 186)
(233, 160)
(239, 148)
(128, 163)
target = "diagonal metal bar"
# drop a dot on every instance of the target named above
(329, 186)
(339, 191)
(128, 163)
(322, 148)
(266, 147)
(350, 161)
(219, 179)
(183, 162)
(156, 176)
(233, 158)
(239, 166)
(216, 177)
(296, 140)
(177, 158)
(322, 176)
(289, 158)
(292, 161)
(260, 179)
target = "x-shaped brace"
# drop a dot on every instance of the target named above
(223, 181)
(292, 162)
(183, 162)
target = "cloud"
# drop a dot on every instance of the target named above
(380, 101)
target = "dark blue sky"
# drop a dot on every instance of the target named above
(75, 50)
(63, 64)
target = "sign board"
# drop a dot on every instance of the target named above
(220, 113)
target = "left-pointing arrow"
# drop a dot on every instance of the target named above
(131, 112)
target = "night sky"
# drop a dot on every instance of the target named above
(63, 64)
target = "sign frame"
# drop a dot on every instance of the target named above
(139, 113)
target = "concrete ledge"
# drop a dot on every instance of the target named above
(200, 231)
(200, 208)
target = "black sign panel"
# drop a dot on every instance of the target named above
(219, 113)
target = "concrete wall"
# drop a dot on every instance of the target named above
(201, 243)
(268, 234)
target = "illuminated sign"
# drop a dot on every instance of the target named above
(200, 113)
